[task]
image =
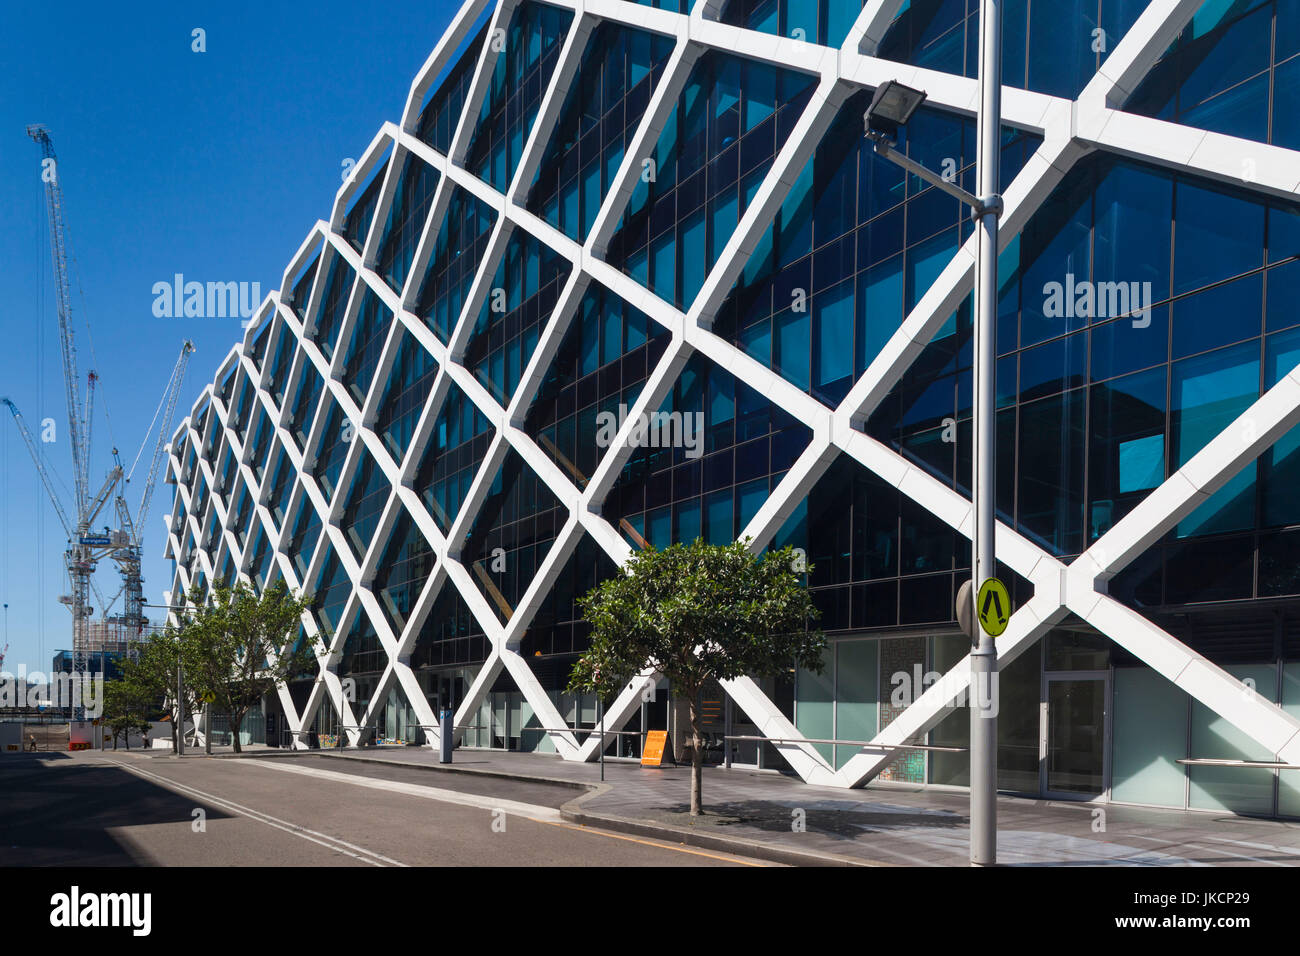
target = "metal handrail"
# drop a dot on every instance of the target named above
(864, 744)
(1253, 764)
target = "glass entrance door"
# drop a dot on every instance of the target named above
(1076, 713)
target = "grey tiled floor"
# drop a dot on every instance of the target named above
(899, 824)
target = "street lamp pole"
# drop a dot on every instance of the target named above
(180, 704)
(984, 655)
(891, 107)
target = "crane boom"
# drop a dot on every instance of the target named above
(40, 465)
(129, 558)
(160, 446)
(63, 300)
(87, 423)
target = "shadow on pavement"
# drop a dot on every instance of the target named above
(63, 815)
(839, 823)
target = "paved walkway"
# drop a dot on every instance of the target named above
(882, 824)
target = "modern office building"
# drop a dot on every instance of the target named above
(591, 212)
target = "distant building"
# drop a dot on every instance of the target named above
(107, 662)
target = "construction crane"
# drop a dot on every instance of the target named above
(85, 548)
(129, 558)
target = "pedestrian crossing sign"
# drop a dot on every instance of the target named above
(993, 606)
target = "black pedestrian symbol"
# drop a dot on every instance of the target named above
(994, 603)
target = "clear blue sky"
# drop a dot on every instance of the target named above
(211, 164)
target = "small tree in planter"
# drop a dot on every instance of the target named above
(697, 613)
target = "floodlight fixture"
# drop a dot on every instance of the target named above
(891, 108)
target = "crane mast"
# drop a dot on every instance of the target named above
(85, 547)
(63, 302)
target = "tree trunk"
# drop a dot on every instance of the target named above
(697, 757)
(236, 721)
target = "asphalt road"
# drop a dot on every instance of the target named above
(89, 809)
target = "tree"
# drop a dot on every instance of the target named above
(697, 613)
(153, 672)
(244, 646)
(126, 709)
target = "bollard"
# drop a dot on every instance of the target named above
(445, 733)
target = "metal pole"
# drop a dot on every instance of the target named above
(180, 706)
(983, 720)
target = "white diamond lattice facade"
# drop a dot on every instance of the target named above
(599, 203)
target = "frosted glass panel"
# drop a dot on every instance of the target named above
(1150, 734)
(1288, 789)
(952, 769)
(814, 709)
(855, 696)
(1231, 788)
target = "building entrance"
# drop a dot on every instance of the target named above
(1074, 728)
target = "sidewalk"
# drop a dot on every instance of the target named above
(886, 824)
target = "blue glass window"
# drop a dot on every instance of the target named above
(406, 218)
(460, 246)
(728, 124)
(334, 444)
(521, 74)
(604, 359)
(364, 505)
(830, 281)
(1217, 74)
(369, 333)
(817, 21)
(620, 68)
(300, 296)
(306, 531)
(460, 439)
(405, 565)
(1207, 393)
(409, 383)
(305, 403)
(525, 289)
(1050, 46)
(440, 114)
(450, 634)
(337, 288)
(713, 434)
(356, 224)
(1280, 465)
(511, 535)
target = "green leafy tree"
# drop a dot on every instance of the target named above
(153, 671)
(244, 645)
(126, 709)
(698, 613)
